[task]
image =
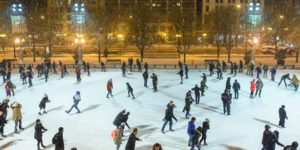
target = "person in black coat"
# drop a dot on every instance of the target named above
(180, 65)
(29, 75)
(291, 147)
(145, 76)
(226, 99)
(188, 103)
(186, 68)
(58, 140)
(38, 135)
(139, 65)
(211, 69)
(224, 66)
(154, 82)
(124, 119)
(130, 63)
(88, 68)
(181, 76)
(130, 90)
(203, 86)
(231, 67)
(4, 106)
(118, 120)
(23, 77)
(123, 69)
(282, 116)
(168, 118)
(54, 66)
(219, 73)
(146, 67)
(43, 104)
(132, 139)
(283, 78)
(241, 67)
(8, 75)
(258, 71)
(46, 73)
(228, 85)
(196, 138)
(197, 93)
(103, 66)
(205, 127)
(2, 123)
(235, 67)
(236, 87)
(272, 140)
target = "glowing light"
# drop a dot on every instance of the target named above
(76, 41)
(17, 40)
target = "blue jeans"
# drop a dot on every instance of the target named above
(155, 86)
(166, 122)
(190, 139)
(109, 93)
(236, 93)
(282, 79)
(296, 87)
(145, 82)
(118, 147)
(193, 145)
(187, 113)
(74, 105)
(197, 98)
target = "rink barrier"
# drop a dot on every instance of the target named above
(154, 66)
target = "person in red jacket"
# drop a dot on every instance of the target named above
(264, 139)
(109, 87)
(77, 71)
(62, 69)
(252, 88)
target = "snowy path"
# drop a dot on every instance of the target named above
(91, 129)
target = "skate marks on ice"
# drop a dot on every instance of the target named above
(91, 107)
(233, 147)
(144, 130)
(27, 127)
(4, 146)
(267, 122)
(55, 108)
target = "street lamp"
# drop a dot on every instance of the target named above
(19, 43)
(120, 37)
(253, 42)
(79, 43)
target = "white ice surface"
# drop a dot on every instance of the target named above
(91, 129)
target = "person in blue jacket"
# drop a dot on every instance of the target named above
(236, 87)
(273, 73)
(191, 130)
(258, 71)
(76, 99)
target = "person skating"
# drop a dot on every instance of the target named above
(235, 68)
(197, 93)
(2, 123)
(295, 82)
(46, 72)
(65, 70)
(248, 69)
(146, 67)
(265, 68)
(84, 66)
(77, 71)
(130, 63)
(259, 86)
(17, 115)
(145, 76)
(21, 69)
(168, 118)
(157, 146)
(62, 70)
(4, 106)
(139, 65)
(258, 71)
(118, 119)
(154, 82)
(204, 77)
(54, 66)
(203, 86)
(180, 64)
(103, 66)
(195, 139)
(132, 139)
(130, 90)
(187, 106)
(181, 76)
(29, 76)
(251, 69)
(43, 104)
(228, 84)
(272, 140)
(265, 135)
(211, 68)
(123, 69)
(226, 99)
(38, 135)
(252, 88)
(205, 127)
(8, 75)
(224, 66)
(241, 67)
(231, 67)
(118, 136)
(3, 73)
(88, 69)
(109, 87)
(39, 69)
(186, 69)
(283, 78)
(10, 87)
(124, 119)
(273, 73)
(191, 130)
(58, 139)
(236, 88)
(282, 116)
(23, 77)
(76, 99)
(291, 147)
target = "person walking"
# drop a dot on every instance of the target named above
(130, 90)
(154, 82)
(132, 139)
(252, 88)
(197, 93)
(205, 127)
(282, 116)
(17, 115)
(195, 139)
(109, 87)
(168, 118)
(43, 104)
(58, 139)
(181, 76)
(38, 135)
(236, 88)
(259, 86)
(283, 78)
(76, 99)
(191, 130)
(145, 76)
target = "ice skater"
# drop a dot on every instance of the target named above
(252, 88)
(181, 76)
(123, 69)
(109, 87)
(195, 139)
(282, 116)
(273, 73)
(132, 139)
(226, 99)
(168, 118)
(2, 123)
(283, 78)
(154, 82)
(186, 68)
(145, 76)
(58, 139)
(38, 135)
(77, 71)
(259, 86)
(76, 99)
(43, 104)
(205, 127)
(295, 82)
(236, 88)
(191, 130)
(197, 93)
(17, 115)
(130, 90)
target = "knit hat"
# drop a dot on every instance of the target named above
(60, 129)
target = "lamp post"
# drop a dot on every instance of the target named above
(79, 43)
(19, 43)
(17, 12)
(253, 42)
(120, 37)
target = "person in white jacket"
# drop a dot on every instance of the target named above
(76, 99)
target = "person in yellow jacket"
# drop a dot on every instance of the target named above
(295, 82)
(17, 115)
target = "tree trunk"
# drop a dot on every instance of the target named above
(218, 52)
(33, 51)
(228, 53)
(142, 55)
(99, 53)
(184, 56)
(297, 56)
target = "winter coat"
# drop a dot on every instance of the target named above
(252, 87)
(265, 135)
(205, 127)
(180, 73)
(186, 68)
(228, 85)
(43, 102)
(249, 67)
(188, 103)
(197, 90)
(273, 71)
(59, 141)
(226, 97)
(282, 113)
(131, 142)
(191, 127)
(272, 139)
(17, 115)
(154, 79)
(196, 136)
(236, 86)
(259, 84)
(109, 86)
(118, 138)
(169, 114)
(3, 107)
(129, 88)
(145, 75)
(39, 130)
(258, 70)
(118, 120)
(203, 85)
(2, 121)
(295, 80)
(76, 98)
(286, 76)
(265, 68)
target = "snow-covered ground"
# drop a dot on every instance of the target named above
(90, 130)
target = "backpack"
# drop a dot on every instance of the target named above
(114, 133)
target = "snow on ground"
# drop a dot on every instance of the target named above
(90, 130)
